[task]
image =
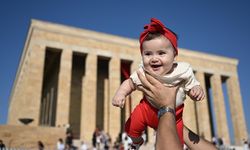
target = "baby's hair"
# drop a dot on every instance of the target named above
(154, 35)
(151, 36)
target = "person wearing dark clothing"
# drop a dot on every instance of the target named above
(40, 145)
(2, 146)
(69, 141)
(94, 140)
(96, 132)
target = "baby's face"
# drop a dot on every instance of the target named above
(158, 56)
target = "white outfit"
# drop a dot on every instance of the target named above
(60, 146)
(84, 147)
(182, 74)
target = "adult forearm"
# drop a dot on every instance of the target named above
(167, 137)
(194, 142)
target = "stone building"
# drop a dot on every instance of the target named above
(67, 76)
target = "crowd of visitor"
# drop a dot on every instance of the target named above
(102, 141)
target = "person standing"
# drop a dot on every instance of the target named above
(60, 144)
(83, 146)
(69, 141)
(2, 145)
(40, 145)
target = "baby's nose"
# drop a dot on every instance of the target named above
(154, 59)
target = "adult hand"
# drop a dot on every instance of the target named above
(166, 137)
(160, 94)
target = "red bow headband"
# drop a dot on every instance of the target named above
(157, 26)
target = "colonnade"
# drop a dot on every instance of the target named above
(73, 98)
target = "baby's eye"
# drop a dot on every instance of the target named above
(147, 53)
(162, 53)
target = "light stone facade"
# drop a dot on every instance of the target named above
(68, 75)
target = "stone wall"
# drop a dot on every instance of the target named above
(26, 137)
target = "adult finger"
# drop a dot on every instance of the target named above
(151, 79)
(144, 81)
(145, 91)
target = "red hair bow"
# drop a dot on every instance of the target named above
(157, 26)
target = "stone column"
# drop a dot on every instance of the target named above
(236, 109)
(189, 115)
(64, 85)
(128, 107)
(219, 108)
(107, 101)
(114, 83)
(203, 116)
(31, 96)
(151, 136)
(88, 108)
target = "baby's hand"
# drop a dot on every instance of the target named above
(196, 93)
(118, 100)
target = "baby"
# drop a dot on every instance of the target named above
(158, 46)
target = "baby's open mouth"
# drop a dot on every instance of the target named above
(155, 66)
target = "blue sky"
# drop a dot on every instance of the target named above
(215, 27)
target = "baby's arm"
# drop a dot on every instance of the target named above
(124, 90)
(193, 88)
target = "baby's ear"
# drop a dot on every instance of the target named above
(175, 54)
(175, 58)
